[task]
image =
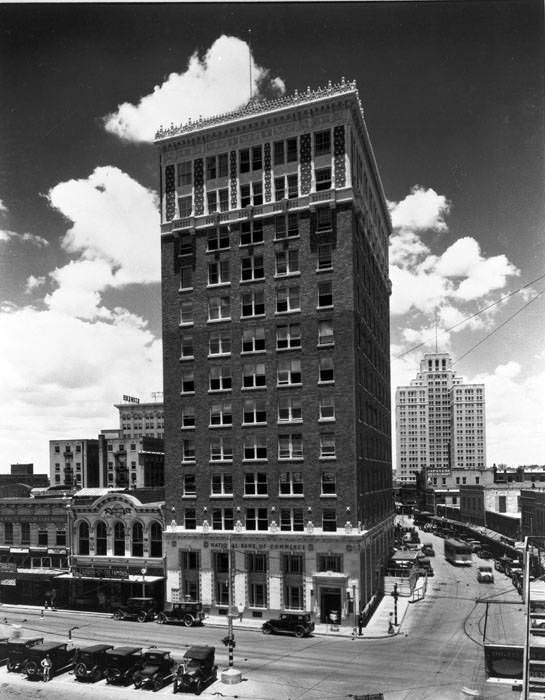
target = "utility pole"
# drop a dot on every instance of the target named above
(395, 596)
(230, 676)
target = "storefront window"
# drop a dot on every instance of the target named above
(156, 540)
(101, 544)
(83, 539)
(119, 540)
(293, 597)
(137, 540)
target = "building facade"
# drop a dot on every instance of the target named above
(130, 462)
(74, 463)
(532, 510)
(445, 488)
(440, 421)
(276, 354)
(138, 420)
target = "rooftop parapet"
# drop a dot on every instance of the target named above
(255, 107)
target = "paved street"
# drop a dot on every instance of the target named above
(437, 653)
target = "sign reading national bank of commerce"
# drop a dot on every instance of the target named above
(262, 546)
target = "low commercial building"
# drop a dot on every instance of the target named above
(495, 506)
(532, 510)
(444, 489)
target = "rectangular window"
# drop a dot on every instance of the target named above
(219, 378)
(253, 339)
(286, 226)
(293, 564)
(293, 187)
(287, 261)
(329, 520)
(244, 160)
(279, 188)
(211, 172)
(288, 299)
(223, 165)
(188, 417)
(290, 446)
(252, 304)
(221, 484)
(186, 313)
(279, 153)
(325, 333)
(219, 308)
(251, 268)
(330, 562)
(327, 446)
(245, 196)
(256, 157)
(186, 278)
(188, 382)
(254, 412)
(289, 410)
(291, 484)
(502, 504)
(60, 538)
(189, 485)
(257, 519)
(253, 375)
(293, 597)
(187, 347)
(255, 484)
(212, 201)
(327, 408)
(185, 173)
(325, 256)
(291, 520)
(288, 372)
(326, 371)
(255, 448)
(288, 337)
(222, 519)
(324, 219)
(188, 450)
(329, 484)
(218, 239)
(221, 414)
(219, 344)
(221, 449)
(325, 294)
(257, 193)
(291, 148)
(218, 271)
(251, 232)
(42, 538)
(322, 143)
(323, 179)
(190, 519)
(185, 206)
(224, 199)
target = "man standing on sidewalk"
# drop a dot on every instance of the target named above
(391, 628)
(240, 608)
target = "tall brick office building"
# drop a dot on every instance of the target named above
(276, 356)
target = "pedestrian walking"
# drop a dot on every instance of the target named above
(391, 628)
(240, 608)
(46, 667)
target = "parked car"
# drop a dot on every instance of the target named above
(3, 649)
(188, 613)
(139, 609)
(485, 554)
(428, 549)
(475, 545)
(423, 564)
(499, 565)
(537, 625)
(18, 652)
(299, 624)
(485, 574)
(197, 670)
(62, 658)
(91, 662)
(156, 669)
(121, 664)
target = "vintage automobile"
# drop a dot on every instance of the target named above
(485, 574)
(428, 550)
(3, 649)
(196, 671)
(17, 652)
(121, 664)
(139, 609)
(91, 662)
(423, 565)
(61, 654)
(156, 669)
(299, 624)
(188, 613)
(475, 545)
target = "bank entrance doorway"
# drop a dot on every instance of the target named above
(330, 601)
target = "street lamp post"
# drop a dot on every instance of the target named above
(395, 596)
(231, 675)
(143, 571)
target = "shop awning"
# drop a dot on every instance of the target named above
(133, 578)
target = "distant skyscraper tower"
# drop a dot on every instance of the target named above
(276, 356)
(440, 421)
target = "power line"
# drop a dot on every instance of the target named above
(477, 313)
(498, 327)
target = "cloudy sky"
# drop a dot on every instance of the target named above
(454, 102)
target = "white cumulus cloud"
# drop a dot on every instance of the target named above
(33, 283)
(3, 207)
(421, 210)
(214, 84)
(9, 236)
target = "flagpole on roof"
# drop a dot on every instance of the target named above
(250, 60)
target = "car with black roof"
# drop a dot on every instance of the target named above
(3, 649)
(156, 669)
(188, 613)
(61, 654)
(121, 664)
(91, 662)
(197, 670)
(17, 652)
(141, 609)
(299, 624)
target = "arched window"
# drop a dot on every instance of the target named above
(119, 540)
(101, 541)
(83, 538)
(8, 533)
(25, 533)
(156, 540)
(137, 548)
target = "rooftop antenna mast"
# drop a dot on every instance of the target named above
(250, 60)
(436, 330)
